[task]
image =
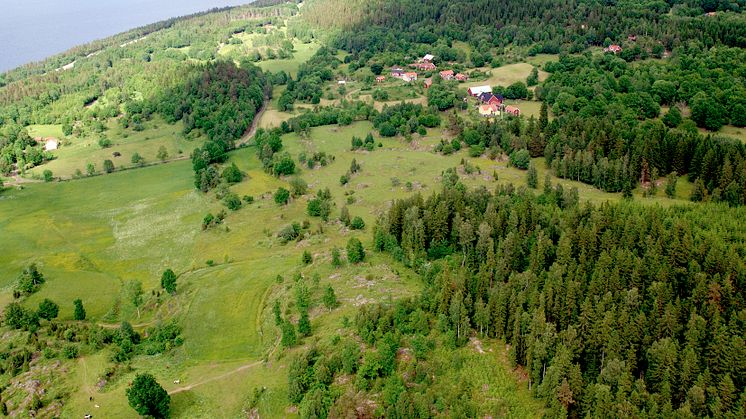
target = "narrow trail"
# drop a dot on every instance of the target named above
(226, 374)
(254, 124)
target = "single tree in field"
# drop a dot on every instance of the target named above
(133, 290)
(355, 251)
(289, 338)
(671, 180)
(48, 309)
(108, 166)
(336, 258)
(532, 177)
(148, 398)
(138, 159)
(304, 323)
(330, 298)
(307, 257)
(162, 154)
(90, 169)
(168, 281)
(79, 313)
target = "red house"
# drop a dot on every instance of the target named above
(512, 110)
(428, 82)
(380, 79)
(614, 48)
(462, 77)
(446, 75)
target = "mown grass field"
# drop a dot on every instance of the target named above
(506, 75)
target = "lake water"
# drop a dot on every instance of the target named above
(31, 30)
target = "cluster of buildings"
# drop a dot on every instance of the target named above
(491, 104)
(423, 64)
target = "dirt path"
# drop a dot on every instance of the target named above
(255, 124)
(226, 374)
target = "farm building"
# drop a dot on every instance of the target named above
(489, 110)
(49, 143)
(478, 90)
(512, 110)
(461, 77)
(447, 75)
(491, 99)
(424, 66)
(397, 72)
(409, 76)
(428, 58)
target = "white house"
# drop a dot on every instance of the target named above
(428, 57)
(478, 90)
(51, 144)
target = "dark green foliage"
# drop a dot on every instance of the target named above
(17, 317)
(671, 181)
(336, 258)
(289, 338)
(355, 251)
(673, 118)
(321, 206)
(79, 312)
(213, 220)
(29, 280)
(281, 196)
(304, 323)
(168, 281)
(587, 297)
(307, 258)
(283, 165)
(148, 398)
(532, 177)
(47, 175)
(330, 298)
(357, 223)
(232, 201)
(520, 159)
(232, 174)
(48, 309)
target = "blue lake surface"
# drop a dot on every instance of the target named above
(31, 30)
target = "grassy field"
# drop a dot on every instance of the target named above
(77, 153)
(90, 235)
(506, 75)
(302, 53)
(45, 131)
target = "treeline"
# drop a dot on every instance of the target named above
(608, 132)
(221, 100)
(615, 310)
(308, 86)
(544, 25)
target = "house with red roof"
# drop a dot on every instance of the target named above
(462, 77)
(512, 110)
(447, 74)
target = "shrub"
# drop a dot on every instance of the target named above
(231, 174)
(48, 177)
(307, 257)
(357, 223)
(282, 196)
(108, 166)
(520, 159)
(355, 251)
(232, 201)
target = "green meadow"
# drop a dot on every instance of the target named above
(91, 235)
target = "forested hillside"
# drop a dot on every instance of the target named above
(612, 310)
(381, 208)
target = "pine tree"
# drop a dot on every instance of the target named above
(289, 338)
(532, 177)
(304, 323)
(543, 116)
(79, 313)
(330, 298)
